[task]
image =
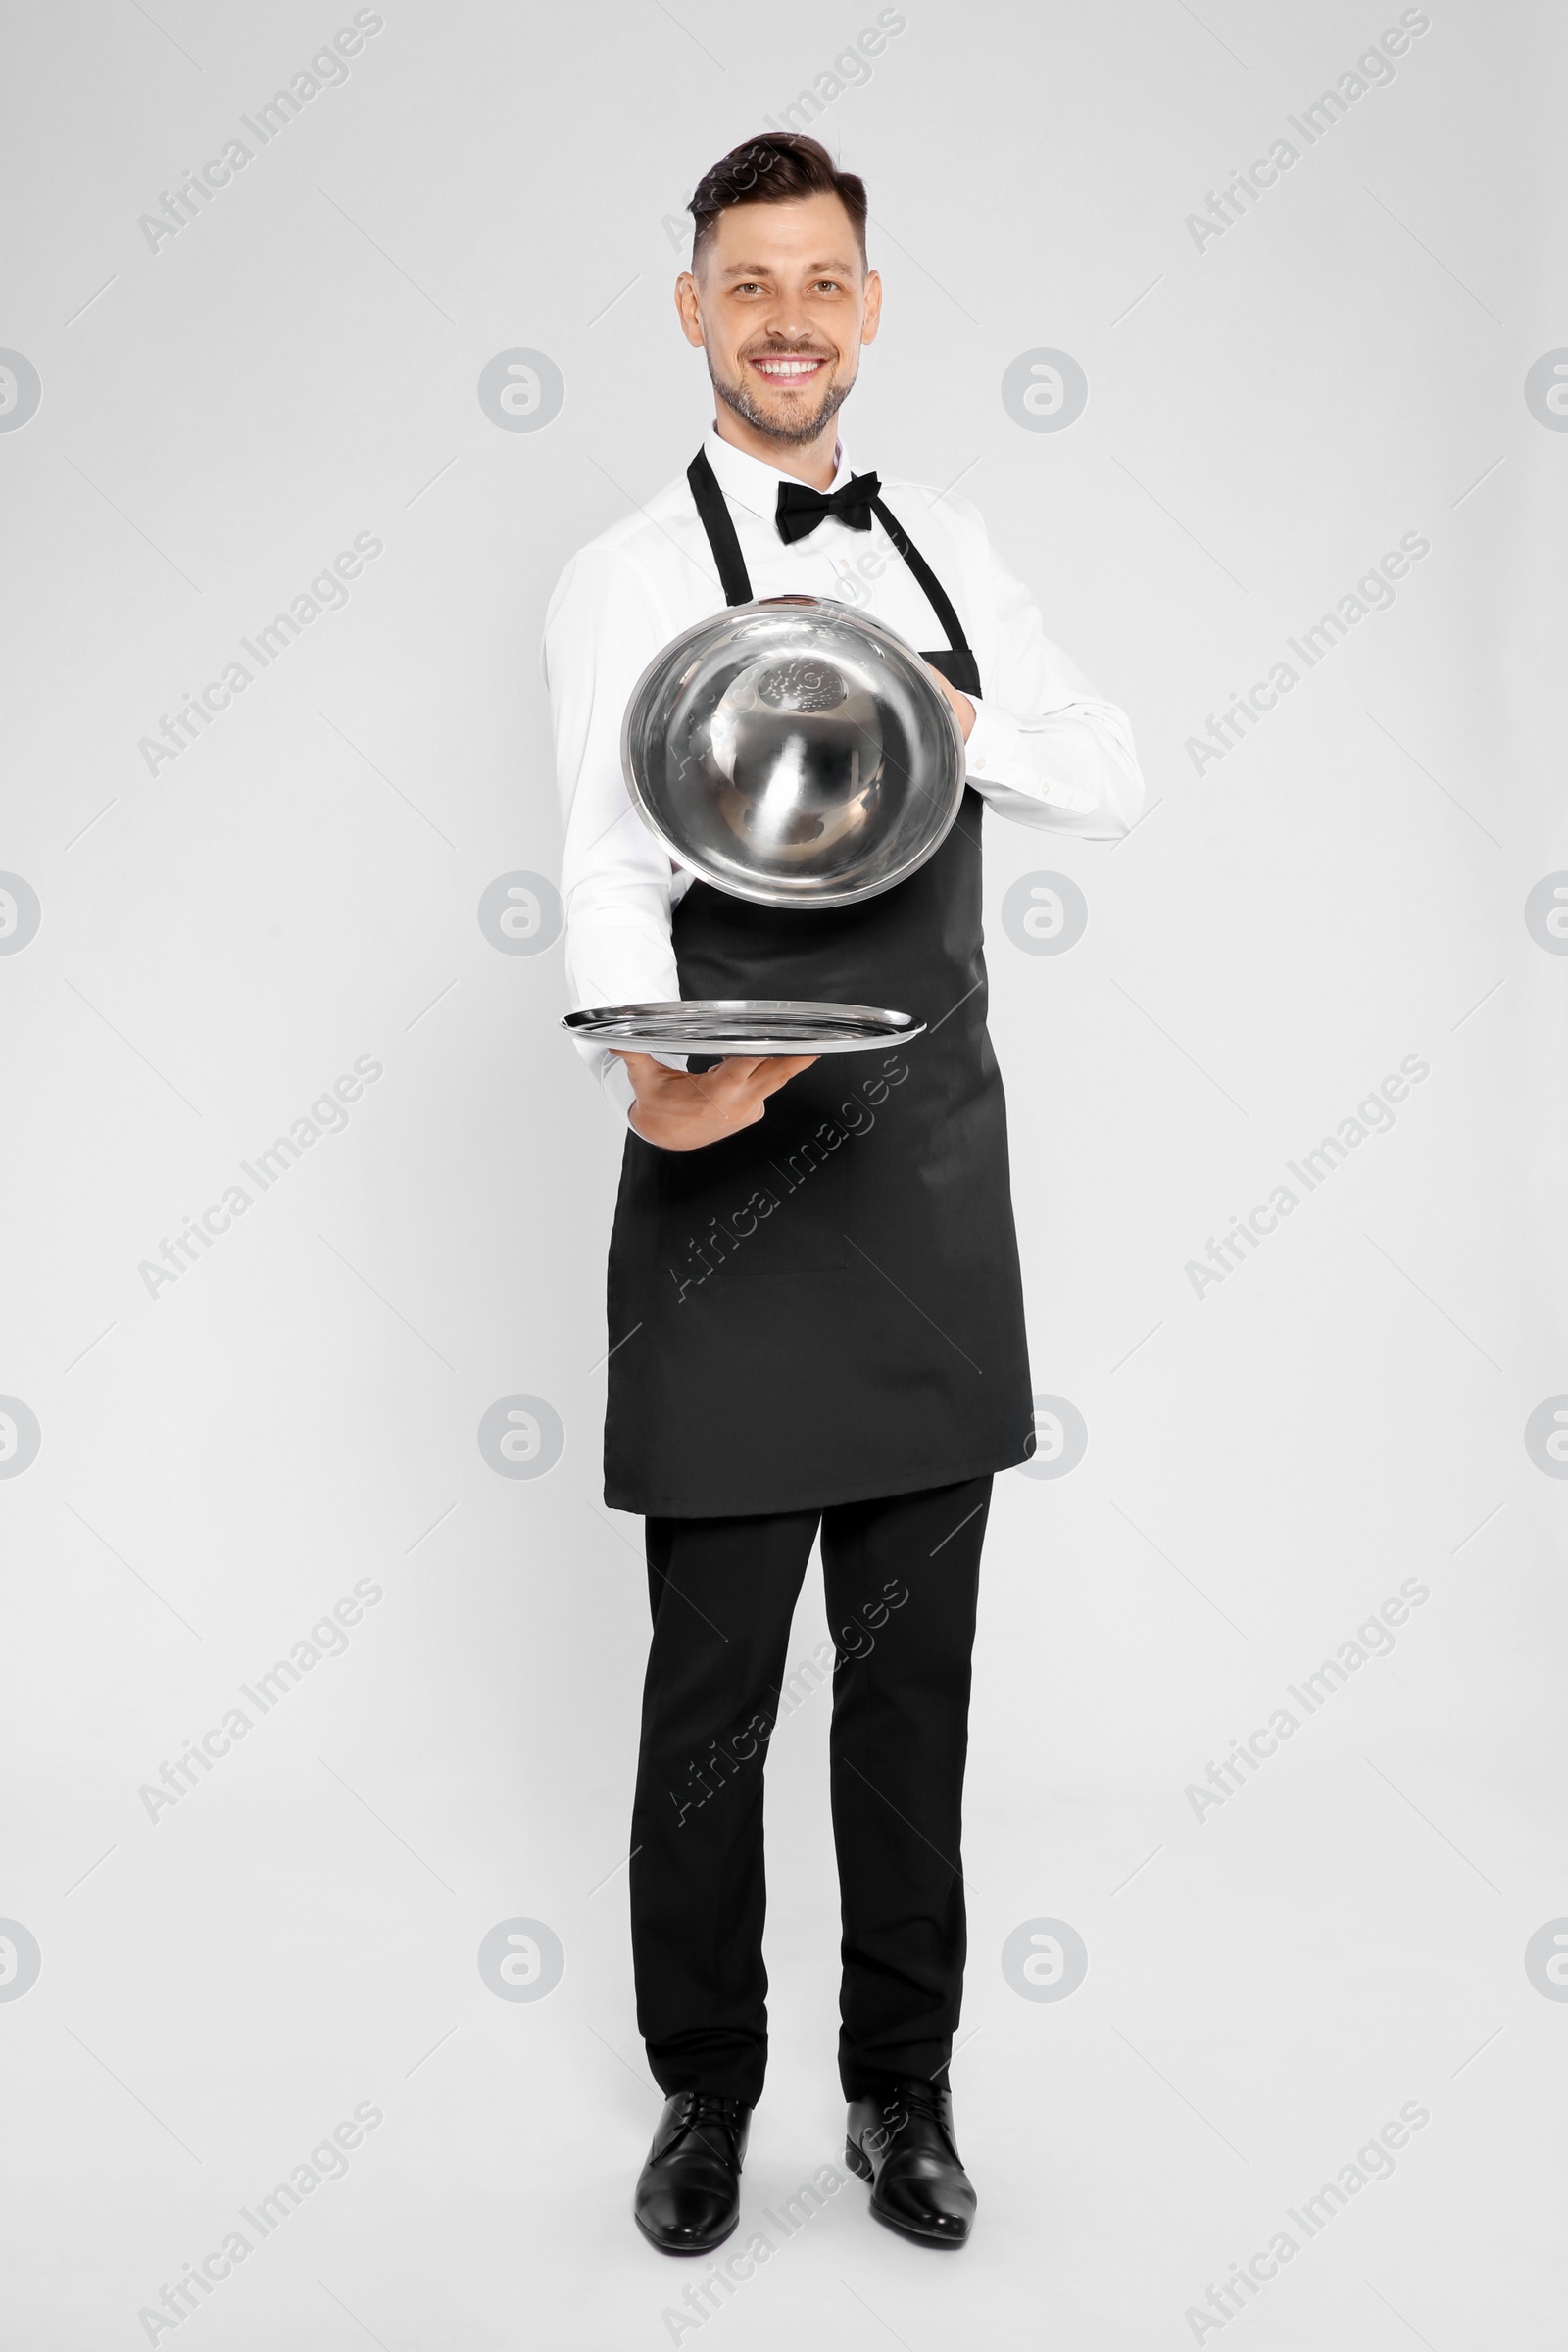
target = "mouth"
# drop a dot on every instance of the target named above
(789, 367)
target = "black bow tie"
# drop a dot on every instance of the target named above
(801, 509)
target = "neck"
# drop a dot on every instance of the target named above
(813, 461)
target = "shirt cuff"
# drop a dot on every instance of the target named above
(992, 743)
(1067, 768)
(618, 1085)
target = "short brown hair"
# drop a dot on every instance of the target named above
(774, 169)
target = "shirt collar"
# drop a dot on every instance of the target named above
(748, 482)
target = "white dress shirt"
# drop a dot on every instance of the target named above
(1044, 748)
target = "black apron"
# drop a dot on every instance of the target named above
(826, 1308)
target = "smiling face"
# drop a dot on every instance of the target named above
(781, 303)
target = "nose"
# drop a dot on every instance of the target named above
(787, 321)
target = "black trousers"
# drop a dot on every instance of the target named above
(900, 1577)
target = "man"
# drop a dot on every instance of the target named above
(816, 1318)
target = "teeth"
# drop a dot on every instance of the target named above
(787, 366)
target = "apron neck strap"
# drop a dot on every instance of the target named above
(714, 508)
(718, 523)
(936, 594)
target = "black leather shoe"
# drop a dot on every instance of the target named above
(689, 2192)
(901, 2140)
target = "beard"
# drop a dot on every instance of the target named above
(737, 397)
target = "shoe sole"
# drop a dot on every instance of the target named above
(861, 2165)
(706, 2247)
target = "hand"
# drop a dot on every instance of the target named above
(963, 708)
(681, 1111)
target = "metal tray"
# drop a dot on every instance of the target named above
(742, 1025)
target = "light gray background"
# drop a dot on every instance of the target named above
(1266, 1987)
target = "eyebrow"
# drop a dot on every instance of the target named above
(814, 269)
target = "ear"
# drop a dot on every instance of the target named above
(873, 307)
(688, 306)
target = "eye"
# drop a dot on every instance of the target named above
(826, 285)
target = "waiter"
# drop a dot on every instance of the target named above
(815, 1320)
